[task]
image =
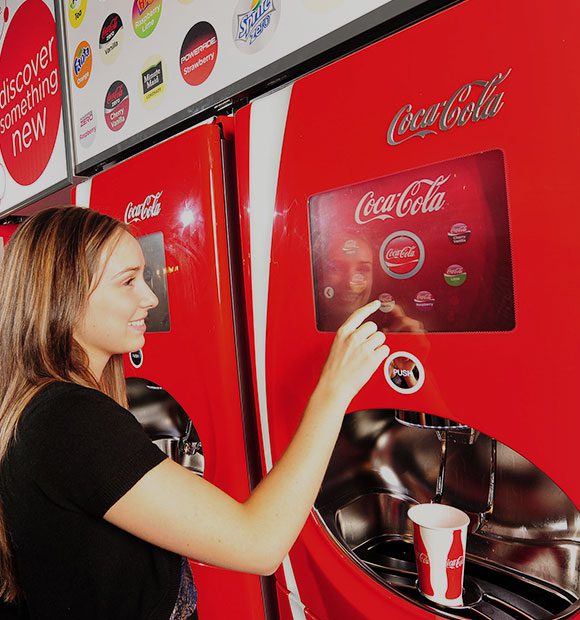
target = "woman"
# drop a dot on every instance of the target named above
(95, 519)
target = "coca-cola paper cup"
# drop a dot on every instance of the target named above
(439, 537)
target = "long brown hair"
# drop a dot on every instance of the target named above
(50, 267)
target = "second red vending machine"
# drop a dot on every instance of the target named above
(435, 170)
(185, 385)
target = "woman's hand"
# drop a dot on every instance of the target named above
(357, 351)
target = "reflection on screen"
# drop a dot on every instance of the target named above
(431, 243)
(155, 275)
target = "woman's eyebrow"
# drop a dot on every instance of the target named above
(127, 270)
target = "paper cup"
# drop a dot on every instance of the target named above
(439, 537)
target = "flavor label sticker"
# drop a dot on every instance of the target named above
(459, 233)
(424, 300)
(116, 106)
(145, 17)
(82, 64)
(198, 54)
(111, 38)
(153, 81)
(402, 254)
(76, 12)
(254, 24)
(87, 128)
(404, 372)
(387, 302)
(455, 275)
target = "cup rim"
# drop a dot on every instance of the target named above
(462, 523)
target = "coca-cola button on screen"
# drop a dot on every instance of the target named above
(402, 254)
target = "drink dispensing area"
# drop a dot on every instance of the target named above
(431, 165)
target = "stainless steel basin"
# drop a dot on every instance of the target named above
(523, 552)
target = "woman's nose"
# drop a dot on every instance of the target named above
(150, 300)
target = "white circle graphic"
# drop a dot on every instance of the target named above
(420, 380)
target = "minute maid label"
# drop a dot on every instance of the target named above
(153, 81)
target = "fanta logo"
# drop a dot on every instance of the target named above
(81, 58)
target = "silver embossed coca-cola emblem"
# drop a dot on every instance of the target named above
(150, 207)
(421, 196)
(475, 101)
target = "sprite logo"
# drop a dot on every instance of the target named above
(254, 22)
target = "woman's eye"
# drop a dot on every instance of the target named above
(129, 282)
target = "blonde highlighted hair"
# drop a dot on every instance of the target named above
(50, 267)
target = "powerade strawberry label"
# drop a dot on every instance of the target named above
(116, 105)
(436, 239)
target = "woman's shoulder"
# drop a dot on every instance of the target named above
(67, 403)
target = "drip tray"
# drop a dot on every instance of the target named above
(489, 591)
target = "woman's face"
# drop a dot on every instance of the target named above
(348, 276)
(114, 320)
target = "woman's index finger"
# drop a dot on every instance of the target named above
(359, 315)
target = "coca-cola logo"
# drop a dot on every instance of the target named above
(423, 558)
(420, 196)
(109, 29)
(475, 101)
(150, 207)
(454, 270)
(402, 254)
(115, 96)
(424, 296)
(456, 563)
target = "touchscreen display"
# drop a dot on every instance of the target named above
(431, 243)
(155, 275)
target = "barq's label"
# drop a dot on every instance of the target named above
(457, 110)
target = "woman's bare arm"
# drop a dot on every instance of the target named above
(178, 511)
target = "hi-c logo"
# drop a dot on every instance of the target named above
(150, 207)
(457, 110)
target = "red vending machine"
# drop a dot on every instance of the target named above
(6, 231)
(184, 386)
(435, 170)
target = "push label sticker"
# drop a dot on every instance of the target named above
(254, 24)
(116, 105)
(82, 64)
(146, 15)
(111, 38)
